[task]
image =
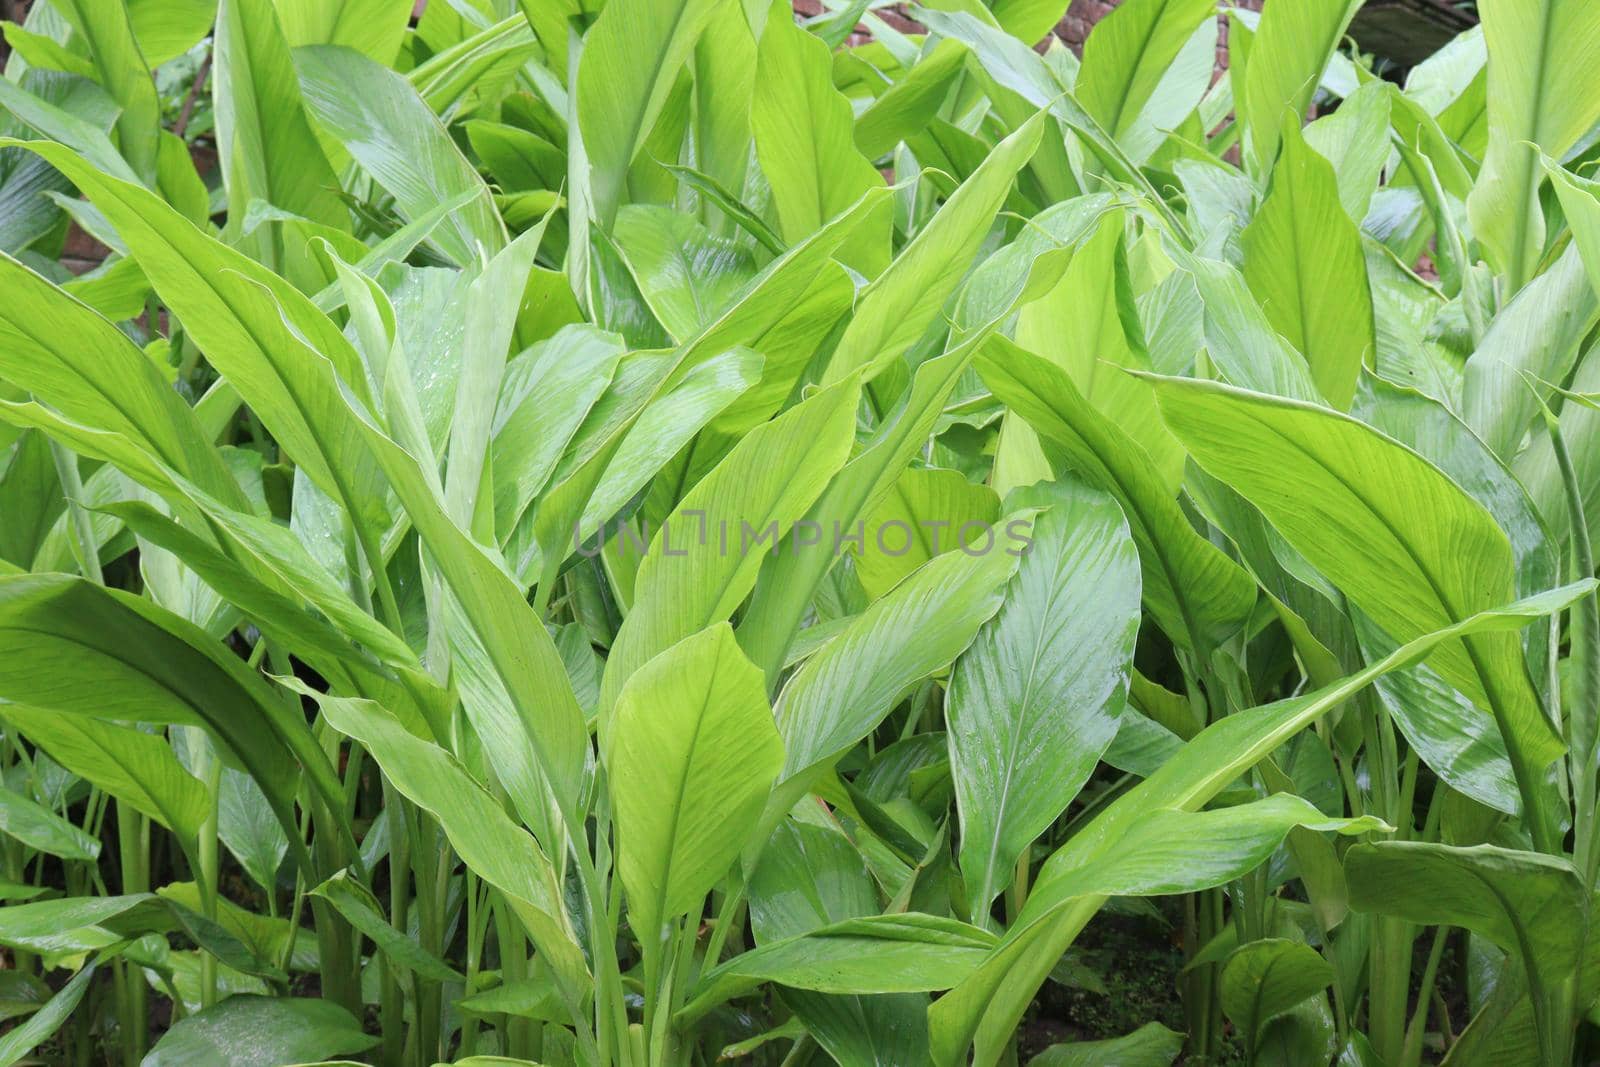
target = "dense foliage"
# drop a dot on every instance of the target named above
(656, 531)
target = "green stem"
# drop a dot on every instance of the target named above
(391, 1002)
(209, 770)
(133, 853)
(85, 549)
(1411, 1055)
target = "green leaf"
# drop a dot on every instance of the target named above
(1034, 702)
(1089, 326)
(789, 580)
(69, 925)
(691, 752)
(74, 647)
(357, 904)
(400, 143)
(1152, 1045)
(1265, 980)
(908, 953)
(374, 28)
(265, 143)
(28, 1035)
(766, 483)
(846, 688)
(137, 768)
(686, 275)
(928, 511)
(619, 97)
(1304, 263)
(803, 130)
(285, 357)
(1541, 332)
(1291, 49)
(1544, 94)
(1527, 904)
(42, 829)
(545, 395)
(1127, 63)
(503, 854)
(1197, 594)
(893, 310)
(107, 31)
(1402, 541)
(66, 355)
(255, 1031)
(987, 1006)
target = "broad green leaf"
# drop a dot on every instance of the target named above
(1035, 701)
(518, 677)
(487, 335)
(1304, 263)
(70, 924)
(1402, 541)
(107, 31)
(246, 825)
(256, 1031)
(1580, 202)
(985, 1008)
(928, 511)
(137, 768)
(371, 27)
(1264, 980)
(357, 904)
(1089, 326)
(1175, 850)
(691, 752)
(686, 274)
(87, 138)
(1543, 95)
(268, 575)
(896, 307)
(86, 368)
(1464, 748)
(1152, 1045)
(811, 876)
(73, 647)
(845, 689)
(789, 580)
(1197, 594)
(544, 396)
(725, 524)
(42, 1024)
(804, 142)
(909, 953)
(42, 829)
(724, 80)
(1541, 332)
(265, 143)
(1240, 340)
(760, 308)
(284, 356)
(166, 29)
(1354, 140)
(500, 852)
(400, 143)
(1527, 904)
(907, 105)
(1127, 62)
(618, 96)
(1290, 51)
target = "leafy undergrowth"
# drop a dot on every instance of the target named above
(649, 533)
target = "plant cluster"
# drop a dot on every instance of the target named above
(656, 532)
